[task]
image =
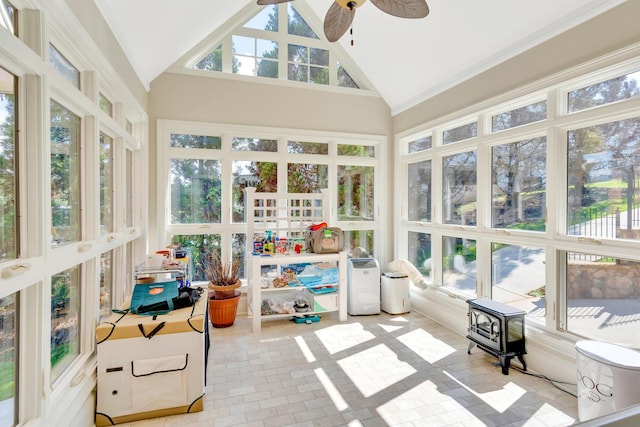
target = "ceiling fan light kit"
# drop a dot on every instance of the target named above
(341, 13)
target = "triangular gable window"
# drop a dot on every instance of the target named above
(266, 20)
(297, 25)
(258, 48)
(211, 62)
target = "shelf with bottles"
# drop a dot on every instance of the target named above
(282, 219)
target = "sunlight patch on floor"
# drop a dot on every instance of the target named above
(375, 369)
(501, 399)
(426, 345)
(426, 405)
(331, 390)
(342, 337)
(399, 319)
(549, 416)
(304, 348)
(390, 328)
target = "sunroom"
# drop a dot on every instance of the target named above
(514, 176)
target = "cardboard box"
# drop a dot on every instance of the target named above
(151, 366)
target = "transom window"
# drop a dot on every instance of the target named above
(519, 116)
(106, 105)
(66, 69)
(8, 17)
(605, 92)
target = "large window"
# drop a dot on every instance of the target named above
(603, 299)
(306, 177)
(519, 182)
(419, 252)
(537, 203)
(65, 175)
(459, 188)
(355, 197)
(65, 320)
(8, 167)
(195, 191)
(459, 265)
(9, 315)
(518, 277)
(70, 177)
(106, 284)
(206, 178)
(419, 191)
(106, 183)
(603, 175)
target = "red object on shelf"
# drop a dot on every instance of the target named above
(315, 227)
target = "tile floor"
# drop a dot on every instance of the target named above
(380, 370)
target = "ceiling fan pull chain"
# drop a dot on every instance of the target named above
(353, 11)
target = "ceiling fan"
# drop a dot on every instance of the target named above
(340, 15)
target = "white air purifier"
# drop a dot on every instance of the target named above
(363, 284)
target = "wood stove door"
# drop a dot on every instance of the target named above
(485, 329)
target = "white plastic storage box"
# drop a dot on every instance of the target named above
(608, 378)
(151, 366)
(320, 300)
(363, 284)
(395, 293)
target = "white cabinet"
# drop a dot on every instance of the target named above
(287, 216)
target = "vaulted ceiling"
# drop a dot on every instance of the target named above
(407, 61)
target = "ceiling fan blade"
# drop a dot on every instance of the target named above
(337, 22)
(266, 2)
(403, 8)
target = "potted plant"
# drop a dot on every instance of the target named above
(224, 280)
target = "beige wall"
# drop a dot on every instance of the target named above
(606, 33)
(229, 101)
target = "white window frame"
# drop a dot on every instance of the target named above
(226, 228)
(554, 240)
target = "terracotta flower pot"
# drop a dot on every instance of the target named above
(222, 312)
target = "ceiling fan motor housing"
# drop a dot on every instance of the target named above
(350, 4)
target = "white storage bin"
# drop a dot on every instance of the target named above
(395, 293)
(608, 378)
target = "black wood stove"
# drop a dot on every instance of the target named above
(497, 329)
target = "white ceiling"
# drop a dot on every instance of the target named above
(407, 61)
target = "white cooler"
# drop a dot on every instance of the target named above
(395, 293)
(608, 378)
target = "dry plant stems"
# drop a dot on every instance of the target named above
(224, 277)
